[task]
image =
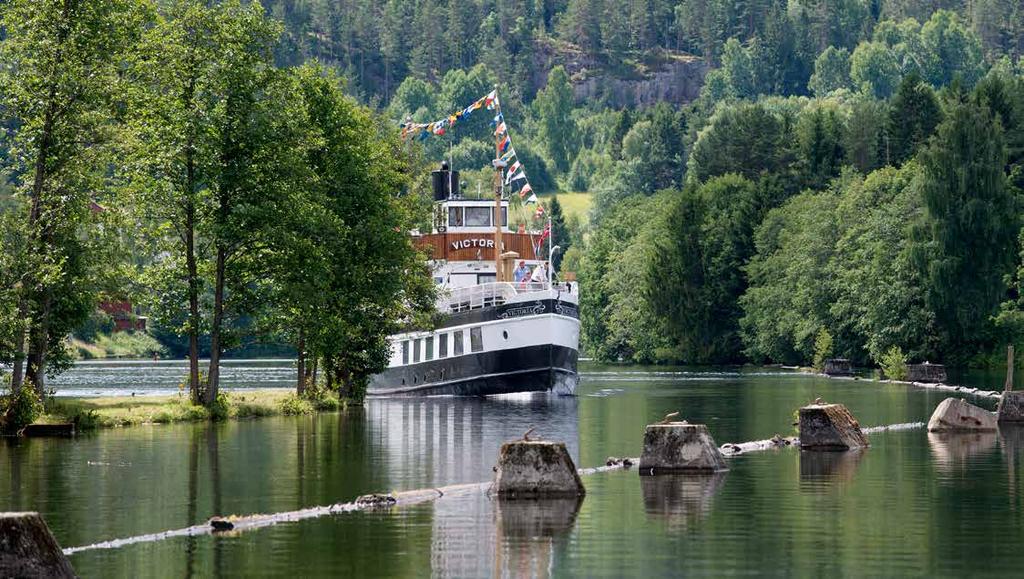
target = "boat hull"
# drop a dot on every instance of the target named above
(536, 368)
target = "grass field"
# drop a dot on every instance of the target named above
(573, 204)
(133, 410)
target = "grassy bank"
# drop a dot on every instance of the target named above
(116, 411)
(117, 345)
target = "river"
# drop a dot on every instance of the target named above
(913, 504)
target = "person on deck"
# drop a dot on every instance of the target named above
(540, 274)
(522, 273)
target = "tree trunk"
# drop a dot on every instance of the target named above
(39, 326)
(39, 343)
(213, 378)
(300, 385)
(193, 295)
(312, 375)
(18, 371)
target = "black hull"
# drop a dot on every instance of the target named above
(528, 369)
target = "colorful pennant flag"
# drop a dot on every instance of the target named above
(526, 189)
(532, 199)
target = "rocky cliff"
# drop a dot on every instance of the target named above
(668, 76)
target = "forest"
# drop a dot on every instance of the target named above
(843, 179)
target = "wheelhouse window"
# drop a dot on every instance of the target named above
(476, 339)
(486, 278)
(416, 350)
(442, 346)
(405, 352)
(478, 216)
(459, 346)
(504, 216)
(455, 217)
(430, 348)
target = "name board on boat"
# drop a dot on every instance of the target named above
(474, 242)
(473, 246)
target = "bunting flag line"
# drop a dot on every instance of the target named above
(515, 176)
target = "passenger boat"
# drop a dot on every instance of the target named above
(496, 336)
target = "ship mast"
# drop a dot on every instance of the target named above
(498, 269)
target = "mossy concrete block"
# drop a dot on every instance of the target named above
(28, 548)
(829, 427)
(536, 469)
(1011, 407)
(838, 367)
(956, 415)
(680, 447)
(927, 372)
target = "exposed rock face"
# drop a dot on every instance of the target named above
(930, 373)
(676, 81)
(956, 415)
(536, 469)
(1011, 407)
(28, 548)
(674, 77)
(829, 427)
(680, 447)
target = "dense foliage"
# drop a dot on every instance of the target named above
(245, 196)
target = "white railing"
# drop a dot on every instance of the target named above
(485, 295)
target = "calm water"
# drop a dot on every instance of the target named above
(912, 504)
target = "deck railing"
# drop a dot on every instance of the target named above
(490, 294)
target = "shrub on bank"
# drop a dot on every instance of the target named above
(18, 410)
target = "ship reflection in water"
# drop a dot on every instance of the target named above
(448, 440)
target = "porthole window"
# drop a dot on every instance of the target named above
(504, 334)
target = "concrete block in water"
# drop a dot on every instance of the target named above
(829, 427)
(838, 367)
(28, 548)
(956, 415)
(536, 469)
(680, 447)
(927, 372)
(1011, 407)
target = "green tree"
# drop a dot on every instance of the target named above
(831, 71)
(969, 226)
(874, 69)
(957, 50)
(61, 64)
(344, 272)
(559, 232)
(695, 277)
(169, 162)
(557, 129)
(746, 138)
(913, 115)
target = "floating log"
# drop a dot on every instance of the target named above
(536, 469)
(777, 441)
(829, 427)
(927, 373)
(956, 415)
(49, 430)
(28, 548)
(1011, 407)
(838, 367)
(680, 447)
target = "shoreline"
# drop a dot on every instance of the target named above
(88, 413)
